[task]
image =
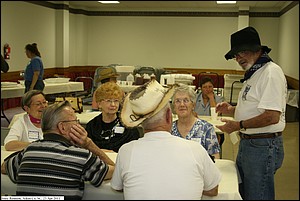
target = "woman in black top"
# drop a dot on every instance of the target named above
(106, 129)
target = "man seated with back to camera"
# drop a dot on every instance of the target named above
(59, 164)
(146, 168)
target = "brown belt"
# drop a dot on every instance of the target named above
(256, 136)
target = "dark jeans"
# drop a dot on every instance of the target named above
(257, 162)
(38, 86)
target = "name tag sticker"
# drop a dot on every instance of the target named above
(33, 135)
(119, 129)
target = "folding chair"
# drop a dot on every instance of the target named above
(85, 95)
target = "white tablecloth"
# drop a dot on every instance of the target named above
(228, 187)
(50, 88)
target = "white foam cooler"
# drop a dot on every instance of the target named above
(124, 71)
(177, 78)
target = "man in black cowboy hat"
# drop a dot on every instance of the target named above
(259, 115)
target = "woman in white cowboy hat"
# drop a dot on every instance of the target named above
(157, 165)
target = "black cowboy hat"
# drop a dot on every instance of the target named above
(246, 39)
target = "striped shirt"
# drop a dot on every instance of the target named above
(53, 166)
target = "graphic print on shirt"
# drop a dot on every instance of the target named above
(247, 89)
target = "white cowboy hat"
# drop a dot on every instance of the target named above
(144, 102)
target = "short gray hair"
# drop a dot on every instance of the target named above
(26, 98)
(185, 89)
(156, 120)
(52, 115)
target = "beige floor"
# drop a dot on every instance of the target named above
(286, 178)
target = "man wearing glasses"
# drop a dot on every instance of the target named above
(61, 162)
(259, 115)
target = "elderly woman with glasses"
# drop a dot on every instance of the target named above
(106, 129)
(188, 125)
(27, 127)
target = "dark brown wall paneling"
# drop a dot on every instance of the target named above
(292, 82)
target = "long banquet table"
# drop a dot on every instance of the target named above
(50, 88)
(228, 187)
(86, 116)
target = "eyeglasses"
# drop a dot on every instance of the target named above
(77, 121)
(107, 135)
(179, 101)
(111, 101)
(240, 54)
(40, 103)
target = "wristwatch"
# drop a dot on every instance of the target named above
(242, 128)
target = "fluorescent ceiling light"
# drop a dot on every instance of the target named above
(226, 2)
(108, 2)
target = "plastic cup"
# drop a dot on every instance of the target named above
(213, 113)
